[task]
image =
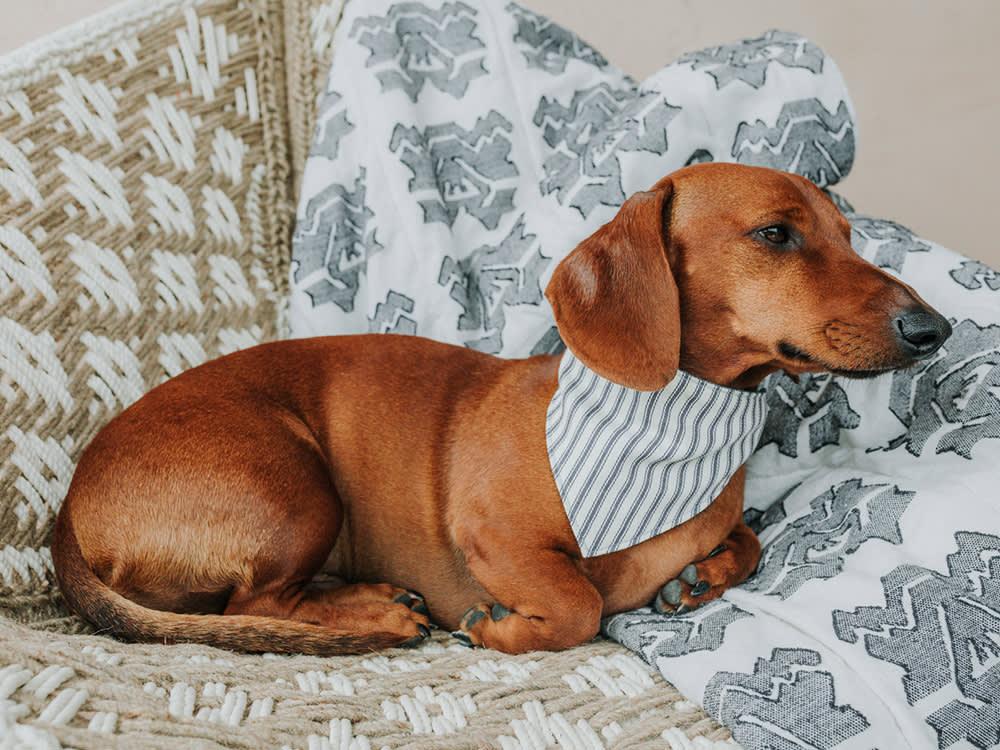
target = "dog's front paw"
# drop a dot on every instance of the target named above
(697, 584)
(728, 565)
(470, 627)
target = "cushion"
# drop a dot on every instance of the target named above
(463, 148)
(143, 230)
(874, 616)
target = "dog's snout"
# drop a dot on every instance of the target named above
(921, 332)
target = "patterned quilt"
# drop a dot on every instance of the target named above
(463, 148)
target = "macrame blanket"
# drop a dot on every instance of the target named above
(463, 148)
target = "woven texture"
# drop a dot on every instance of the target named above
(144, 229)
(309, 28)
(89, 692)
(145, 171)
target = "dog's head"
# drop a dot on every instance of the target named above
(730, 273)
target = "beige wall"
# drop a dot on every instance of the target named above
(924, 76)
(24, 21)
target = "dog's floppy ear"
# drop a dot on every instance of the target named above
(615, 299)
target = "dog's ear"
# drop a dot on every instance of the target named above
(615, 299)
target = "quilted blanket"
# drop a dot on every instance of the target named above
(463, 148)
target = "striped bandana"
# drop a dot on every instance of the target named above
(631, 464)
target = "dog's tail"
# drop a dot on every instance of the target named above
(112, 613)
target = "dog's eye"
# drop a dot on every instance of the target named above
(776, 234)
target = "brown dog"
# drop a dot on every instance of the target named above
(206, 510)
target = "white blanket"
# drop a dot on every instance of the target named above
(463, 148)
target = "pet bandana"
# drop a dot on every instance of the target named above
(632, 464)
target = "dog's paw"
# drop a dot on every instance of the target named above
(388, 608)
(697, 584)
(470, 627)
(413, 600)
(372, 593)
(423, 634)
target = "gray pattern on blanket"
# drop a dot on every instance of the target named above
(815, 545)
(749, 59)
(973, 274)
(657, 636)
(884, 243)
(787, 703)
(390, 316)
(547, 45)
(336, 236)
(455, 169)
(951, 402)
(589, 134)
(331, 127)
(414, 44)
(807, 139)
(814, 402)
(492, 279)
(943, 630)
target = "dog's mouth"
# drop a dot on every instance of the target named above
(794, 354)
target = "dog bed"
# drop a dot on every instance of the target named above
(463, 148)
(148, 159)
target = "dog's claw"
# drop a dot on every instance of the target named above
(671, 593)
(681, 609)
(414, 601)
(689, 575)
(424, 630)
(462, 638)
(498, 612)
(471, 617)
(700, 588)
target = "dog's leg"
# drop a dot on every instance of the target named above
(390, 615)
(547, 604)
(731, 563)
(374, 593)
(280, 578)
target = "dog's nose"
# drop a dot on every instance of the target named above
(921, 331)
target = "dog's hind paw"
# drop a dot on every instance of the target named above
(414, 601)
(425, 633)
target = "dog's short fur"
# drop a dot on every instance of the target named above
(259, 502)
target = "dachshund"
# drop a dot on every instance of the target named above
(293, 497)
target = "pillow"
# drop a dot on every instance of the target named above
(463, 148)
(143, 230)
(874, 617)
